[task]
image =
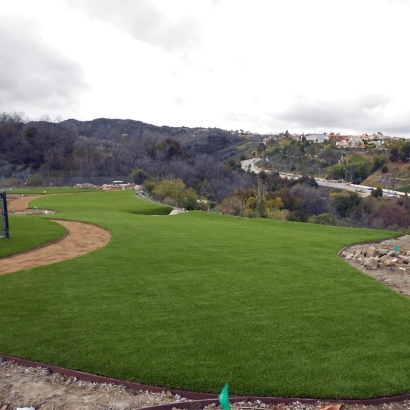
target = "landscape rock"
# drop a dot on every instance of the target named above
(371, 251)
(371, 263)
(382, 251)
(387, 262)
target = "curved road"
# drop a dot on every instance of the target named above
(249, 164)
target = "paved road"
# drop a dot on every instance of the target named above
(338, 185)
(250, 162)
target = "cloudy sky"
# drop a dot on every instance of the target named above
(258, 65)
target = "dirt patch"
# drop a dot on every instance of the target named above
(80, 239)
(22, 386)
(18, 205)
(396, 277)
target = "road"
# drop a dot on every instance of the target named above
(338, 185)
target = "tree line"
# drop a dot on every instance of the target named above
(34, 152)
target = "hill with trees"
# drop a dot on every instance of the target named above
(200, 168)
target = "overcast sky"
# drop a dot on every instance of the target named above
(258, 65)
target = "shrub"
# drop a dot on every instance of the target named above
(323, 219)
(35, 180)
(376, 193)
(138, 176)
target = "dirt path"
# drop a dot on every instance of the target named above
(80, 239)
(20, 203)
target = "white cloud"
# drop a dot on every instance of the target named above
(146, 22)
(262, 66)
(33, 73)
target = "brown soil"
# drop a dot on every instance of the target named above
(22, 386)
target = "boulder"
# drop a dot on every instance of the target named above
(382, 251)
(387, 262)
(357, 254)
(349, 256)
(371, 251)
(371, 263)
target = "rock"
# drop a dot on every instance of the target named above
(349, 256)
(357, 254)
(371, 251)
(371, 263)
(391, 253)
(387, 262)
(382, 251)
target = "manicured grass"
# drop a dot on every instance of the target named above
(28, 232)
(49, 190)
(195, 300)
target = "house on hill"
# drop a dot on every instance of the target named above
(352, 141)
(316, 138)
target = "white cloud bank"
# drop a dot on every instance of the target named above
(262, 66)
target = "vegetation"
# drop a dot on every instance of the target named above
(29, 232)
(38, 153)
(194, 300)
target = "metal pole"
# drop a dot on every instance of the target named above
(5, 215)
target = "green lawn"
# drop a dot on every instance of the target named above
(49, 190)
(192, 301)
(28, 232)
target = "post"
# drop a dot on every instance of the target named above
(5, 215)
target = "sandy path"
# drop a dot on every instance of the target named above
(81, 238)
(20, 204)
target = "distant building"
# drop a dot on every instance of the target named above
(351, 142)
(316, 138)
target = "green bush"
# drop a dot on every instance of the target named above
(138, 176)
(323, 219)
(35, 180)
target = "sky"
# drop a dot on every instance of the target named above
(263, 66)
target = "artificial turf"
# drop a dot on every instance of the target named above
(50, 190)
(192, 301)
(28, 232)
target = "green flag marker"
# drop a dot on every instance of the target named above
(397, 248)
(224, 398)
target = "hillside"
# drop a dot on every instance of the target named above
(43, 153)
